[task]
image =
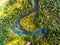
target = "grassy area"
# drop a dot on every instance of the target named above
(27, 22)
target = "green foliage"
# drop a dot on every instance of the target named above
(48, 17)
(11, 2)
(48, 14)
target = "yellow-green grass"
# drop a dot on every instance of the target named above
(27, 22)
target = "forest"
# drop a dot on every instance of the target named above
(47, 17)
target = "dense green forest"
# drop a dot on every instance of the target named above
(47, 17)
